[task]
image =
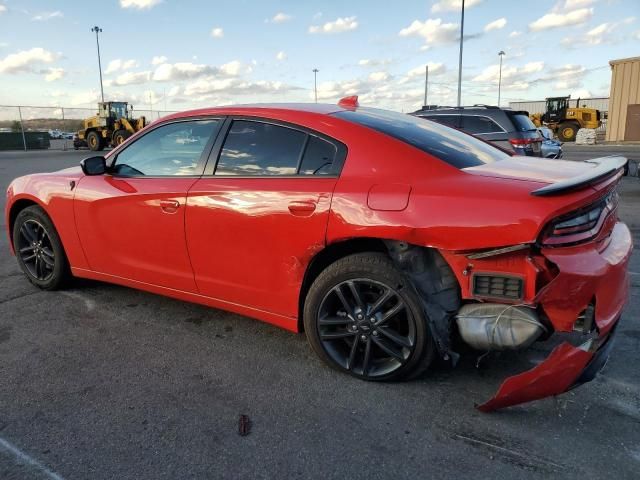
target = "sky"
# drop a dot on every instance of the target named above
(180, 54)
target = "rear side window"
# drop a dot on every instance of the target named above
(451, 146)
(476, 124)
(448, 120)
(258, 148)
(318, 157)
(522, 122)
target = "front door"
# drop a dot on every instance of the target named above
(131, 220)
(254, 224)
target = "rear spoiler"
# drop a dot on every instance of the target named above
(606, 167)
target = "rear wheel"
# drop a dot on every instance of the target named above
(120, 136)
(362, 317)
(567, 132)
(39, 249)
(94, 141)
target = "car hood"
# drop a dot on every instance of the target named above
(533, 169)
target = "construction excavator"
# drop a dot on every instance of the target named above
(565, 120)
(113, 124)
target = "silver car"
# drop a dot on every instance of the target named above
(551, 148)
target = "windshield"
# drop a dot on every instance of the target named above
(449, 145)
(118, 110)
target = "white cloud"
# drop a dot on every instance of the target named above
(369, 62)
(435, 68)
(53, 74)
(568, 5)
(180, 71)
(515, 34)
(557, 20)
(510, 73)
(217, 32)
(495, 25)
(24, 60)
(234, 68)
(379, 77)
(339, 25)
(432, 30)
(158, 60)
(279, 17)
(119, 64)
(280, 56)
(132, 78)
(139, 4)
(2, 9)
(209, 86)
(88, 97)
(453, 5)
(44, 16)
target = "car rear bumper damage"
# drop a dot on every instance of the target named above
(582, 297)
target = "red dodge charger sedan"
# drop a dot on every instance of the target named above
(386, 238)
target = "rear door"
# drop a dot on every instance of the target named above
(260, 213)
(131, 221)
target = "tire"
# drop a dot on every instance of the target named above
(567, 132)
(50, 260)
(120, 136)
(397, 346)
(94, 141)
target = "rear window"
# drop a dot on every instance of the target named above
(451, 146)
(522, 122)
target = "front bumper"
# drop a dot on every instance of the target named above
(590, 274)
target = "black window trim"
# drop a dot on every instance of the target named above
(200, 167)
(214, 155)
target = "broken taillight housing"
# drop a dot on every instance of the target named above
(581, 225)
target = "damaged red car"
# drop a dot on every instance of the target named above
(386, 238)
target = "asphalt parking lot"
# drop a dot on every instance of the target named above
(105, 382)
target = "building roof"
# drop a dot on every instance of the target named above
(624, 60)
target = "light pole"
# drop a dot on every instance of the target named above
(426, 84)
(315, 82)
(99, 30)
(500, 54)
(460, 58)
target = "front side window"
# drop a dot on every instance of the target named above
(172, 149)
(258, 149)
(477, 125)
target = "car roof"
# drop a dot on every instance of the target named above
(260, 108)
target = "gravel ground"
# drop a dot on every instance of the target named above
(105, 382)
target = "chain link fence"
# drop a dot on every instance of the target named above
(24, 127)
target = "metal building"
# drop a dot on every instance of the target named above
(624, 117)
(538, 106)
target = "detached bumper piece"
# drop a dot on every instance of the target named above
(565, 368)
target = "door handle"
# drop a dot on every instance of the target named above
(302, 208)
(169, 206)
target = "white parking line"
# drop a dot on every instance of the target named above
(24, 458)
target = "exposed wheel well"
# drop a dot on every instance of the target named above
(16, 208)
(329, 255)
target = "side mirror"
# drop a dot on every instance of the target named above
(94, 165)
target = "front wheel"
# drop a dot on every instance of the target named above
(362, 317)
(567, 132)
(39, 249)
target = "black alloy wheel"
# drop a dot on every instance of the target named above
(39, 249)
(36, 251)
(366, 327)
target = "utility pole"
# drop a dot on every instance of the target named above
(315, 82)
(500, 54)
(460, 59)
(99, 30)
(426, 84)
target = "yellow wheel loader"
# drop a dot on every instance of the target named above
(564, 120)
(112, 125)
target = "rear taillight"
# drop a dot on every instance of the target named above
(523, 142)
(581, 225)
